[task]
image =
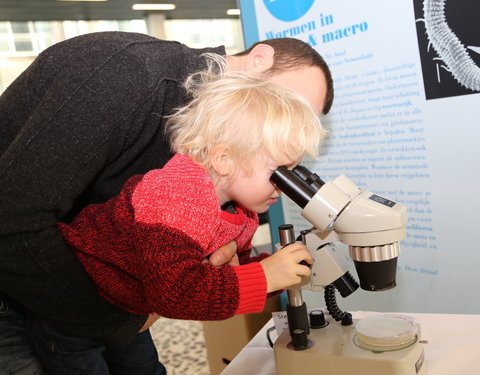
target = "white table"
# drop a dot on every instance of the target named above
(453, 346)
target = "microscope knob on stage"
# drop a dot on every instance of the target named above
(317, 319)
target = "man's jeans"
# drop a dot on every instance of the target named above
(63, 354)
(16, 352)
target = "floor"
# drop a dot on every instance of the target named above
(181, 346)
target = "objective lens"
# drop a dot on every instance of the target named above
(377, 276)
(376, 266)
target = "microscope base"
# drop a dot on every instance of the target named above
(334, 352)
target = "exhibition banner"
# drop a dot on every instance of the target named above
(405, 124)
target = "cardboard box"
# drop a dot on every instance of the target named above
(226, 338)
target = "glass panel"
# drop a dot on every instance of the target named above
(103, 26)
(42, 27)
(3, 27)
(20, 27)
(44, 42)
(206, 33)
(23, 46)
(138, 26)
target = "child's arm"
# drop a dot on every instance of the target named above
(178, 284)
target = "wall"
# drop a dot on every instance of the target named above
(404, 124)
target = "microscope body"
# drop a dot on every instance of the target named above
(372, 227)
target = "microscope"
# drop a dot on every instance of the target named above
(372, 227)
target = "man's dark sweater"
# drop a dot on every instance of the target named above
(84, 117)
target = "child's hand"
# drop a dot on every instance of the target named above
(283, 269)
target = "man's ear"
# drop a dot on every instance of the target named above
(260, 59)
(221, 160)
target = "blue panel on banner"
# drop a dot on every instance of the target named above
(249, 22)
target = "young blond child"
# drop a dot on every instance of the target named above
(145, 248)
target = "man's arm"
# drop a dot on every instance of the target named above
(77, 126)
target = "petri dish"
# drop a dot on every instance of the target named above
(386, 332)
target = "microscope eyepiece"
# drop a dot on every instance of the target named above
(293, 186)
(308, 176)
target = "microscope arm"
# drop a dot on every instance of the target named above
(369, 224)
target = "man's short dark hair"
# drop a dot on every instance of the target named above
(292, 53)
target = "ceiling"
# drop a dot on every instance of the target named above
(52, 10)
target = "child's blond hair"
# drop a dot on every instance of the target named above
(246, 113)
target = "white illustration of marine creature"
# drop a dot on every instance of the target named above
(448, 47)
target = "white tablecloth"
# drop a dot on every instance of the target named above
(453, 346)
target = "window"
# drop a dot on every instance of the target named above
(21, 42)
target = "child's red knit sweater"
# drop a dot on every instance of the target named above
(145, 248)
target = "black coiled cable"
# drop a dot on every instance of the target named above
(333, 309)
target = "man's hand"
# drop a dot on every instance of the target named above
(152, 318)
(225, 255)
